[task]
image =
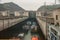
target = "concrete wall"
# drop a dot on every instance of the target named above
(42, 26)
(42, 23)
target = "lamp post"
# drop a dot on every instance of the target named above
(46, 23)
(8, 18)
(46, 29)
(46, 18)
(3, 22)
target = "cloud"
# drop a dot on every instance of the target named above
(30, 4)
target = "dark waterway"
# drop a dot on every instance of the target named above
(18, 28)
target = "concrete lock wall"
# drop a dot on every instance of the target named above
(42, 26)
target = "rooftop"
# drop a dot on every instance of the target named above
(10, 6)
(48, 7)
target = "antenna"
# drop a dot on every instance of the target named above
(44, 3)
(55, 1)
(0, 1)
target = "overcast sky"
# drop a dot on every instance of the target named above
(29, 4)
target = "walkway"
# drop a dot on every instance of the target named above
(28, 36)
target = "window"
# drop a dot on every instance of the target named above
(57, 24)
(1, 14)
(56, 17)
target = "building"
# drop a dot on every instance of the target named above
(54, 30)
(49, 15)
(3, 11)
(38, 13)
(56, 16)
(32, 14)
(22, 13)
(12, 10)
